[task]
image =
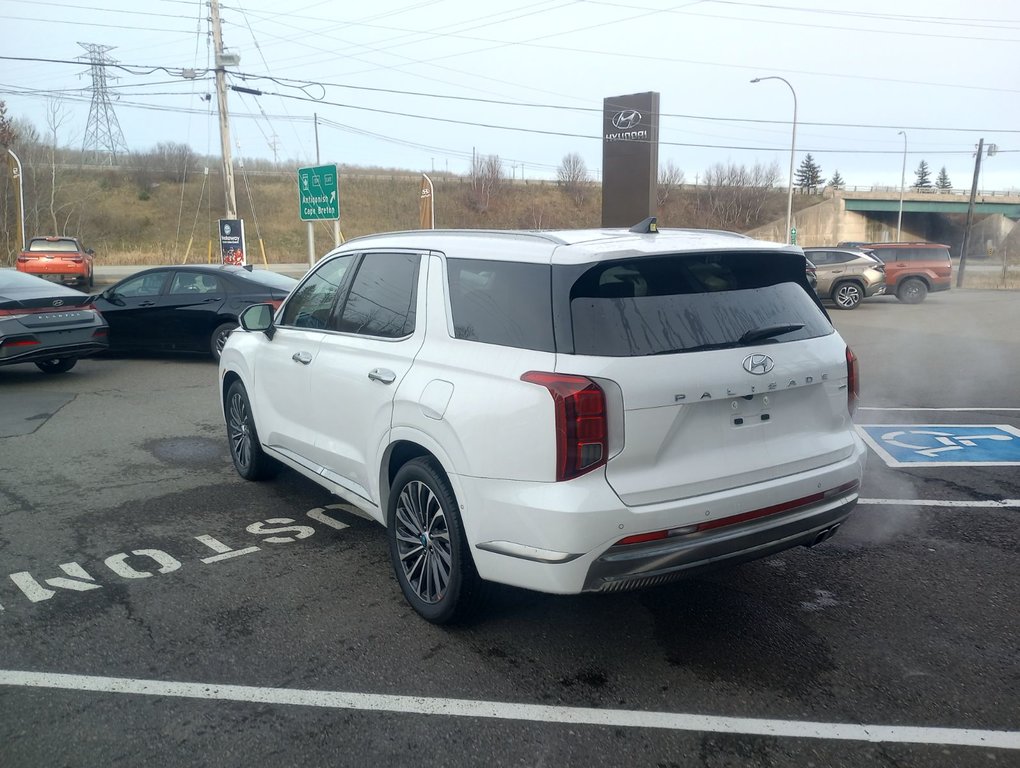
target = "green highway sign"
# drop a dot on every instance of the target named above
(318, 193)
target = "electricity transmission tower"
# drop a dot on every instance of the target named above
(103, 137)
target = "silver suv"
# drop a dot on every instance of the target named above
(846, 275)
(565, 411)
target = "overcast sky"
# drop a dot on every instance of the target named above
(417, 84)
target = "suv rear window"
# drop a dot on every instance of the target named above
(681, 303)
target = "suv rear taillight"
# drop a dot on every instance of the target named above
(581, 423)
(853, 381)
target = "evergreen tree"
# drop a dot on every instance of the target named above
(836, 182)
(943, 182)
(809, 174)
(922, 176)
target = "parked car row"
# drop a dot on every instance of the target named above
(848, 273)
(664, 401)
(173, 308)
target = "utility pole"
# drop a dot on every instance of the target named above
(970, 214)
(221, 103)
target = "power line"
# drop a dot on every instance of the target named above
(78, 23)
(898, 17)
(536, 105)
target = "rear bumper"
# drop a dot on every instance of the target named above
(633, 566)
(563, 537)
(874, 290)
(31, 355)
(57, 272)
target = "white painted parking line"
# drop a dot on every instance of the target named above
(948, 410)
(541, 713)
(951, 503)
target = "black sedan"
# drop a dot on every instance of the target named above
(185, 308)
(46, 323)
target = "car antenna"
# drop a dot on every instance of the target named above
(249, 267)
(649, 225)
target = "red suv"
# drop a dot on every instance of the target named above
(913, 269)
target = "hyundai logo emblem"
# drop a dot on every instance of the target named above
(759, 365)
(626, 119)
(58, 302)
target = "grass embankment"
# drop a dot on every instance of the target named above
(154, 226)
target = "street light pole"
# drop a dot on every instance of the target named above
(903, 181)
(793, 152)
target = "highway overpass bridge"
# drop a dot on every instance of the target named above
(870, 215)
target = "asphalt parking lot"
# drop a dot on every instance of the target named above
(156, 609)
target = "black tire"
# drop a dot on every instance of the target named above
(847, 295)
(219, 338)
(912, 291)
(58, 365)
(249, 459)
(425, 533)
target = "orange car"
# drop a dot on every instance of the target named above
(59, 259)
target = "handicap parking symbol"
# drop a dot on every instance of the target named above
(939, 445)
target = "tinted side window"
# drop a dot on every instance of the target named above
(383, 296)
(312, 303)
(500, 302)
(143, 285)
(194, 282)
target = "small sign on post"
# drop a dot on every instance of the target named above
(793, 235)
(232, 250)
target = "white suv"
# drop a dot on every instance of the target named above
(566, 411)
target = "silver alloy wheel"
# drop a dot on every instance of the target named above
(221, 340)
(848, 295)
(423, 542)
(240, 429)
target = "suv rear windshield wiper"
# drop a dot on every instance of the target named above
(749, 337)
(757, 334)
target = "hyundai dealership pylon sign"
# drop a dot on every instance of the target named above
(630, 158)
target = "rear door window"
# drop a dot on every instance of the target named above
(689, 302)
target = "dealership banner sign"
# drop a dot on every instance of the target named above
(232, 250)
(426, 204)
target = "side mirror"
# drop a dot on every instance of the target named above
(90, 251)
(257, 317)
(112, 296)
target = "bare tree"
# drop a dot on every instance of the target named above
(56, 116)
(735, 196)
(487, 180)
(8, 132)
(573, 177)
(670, 178)
(175, 160)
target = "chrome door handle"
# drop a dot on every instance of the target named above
(382, 374)
(302, 357)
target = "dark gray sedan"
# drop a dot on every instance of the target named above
(47, 324)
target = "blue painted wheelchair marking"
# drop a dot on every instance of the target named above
(939, 445)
